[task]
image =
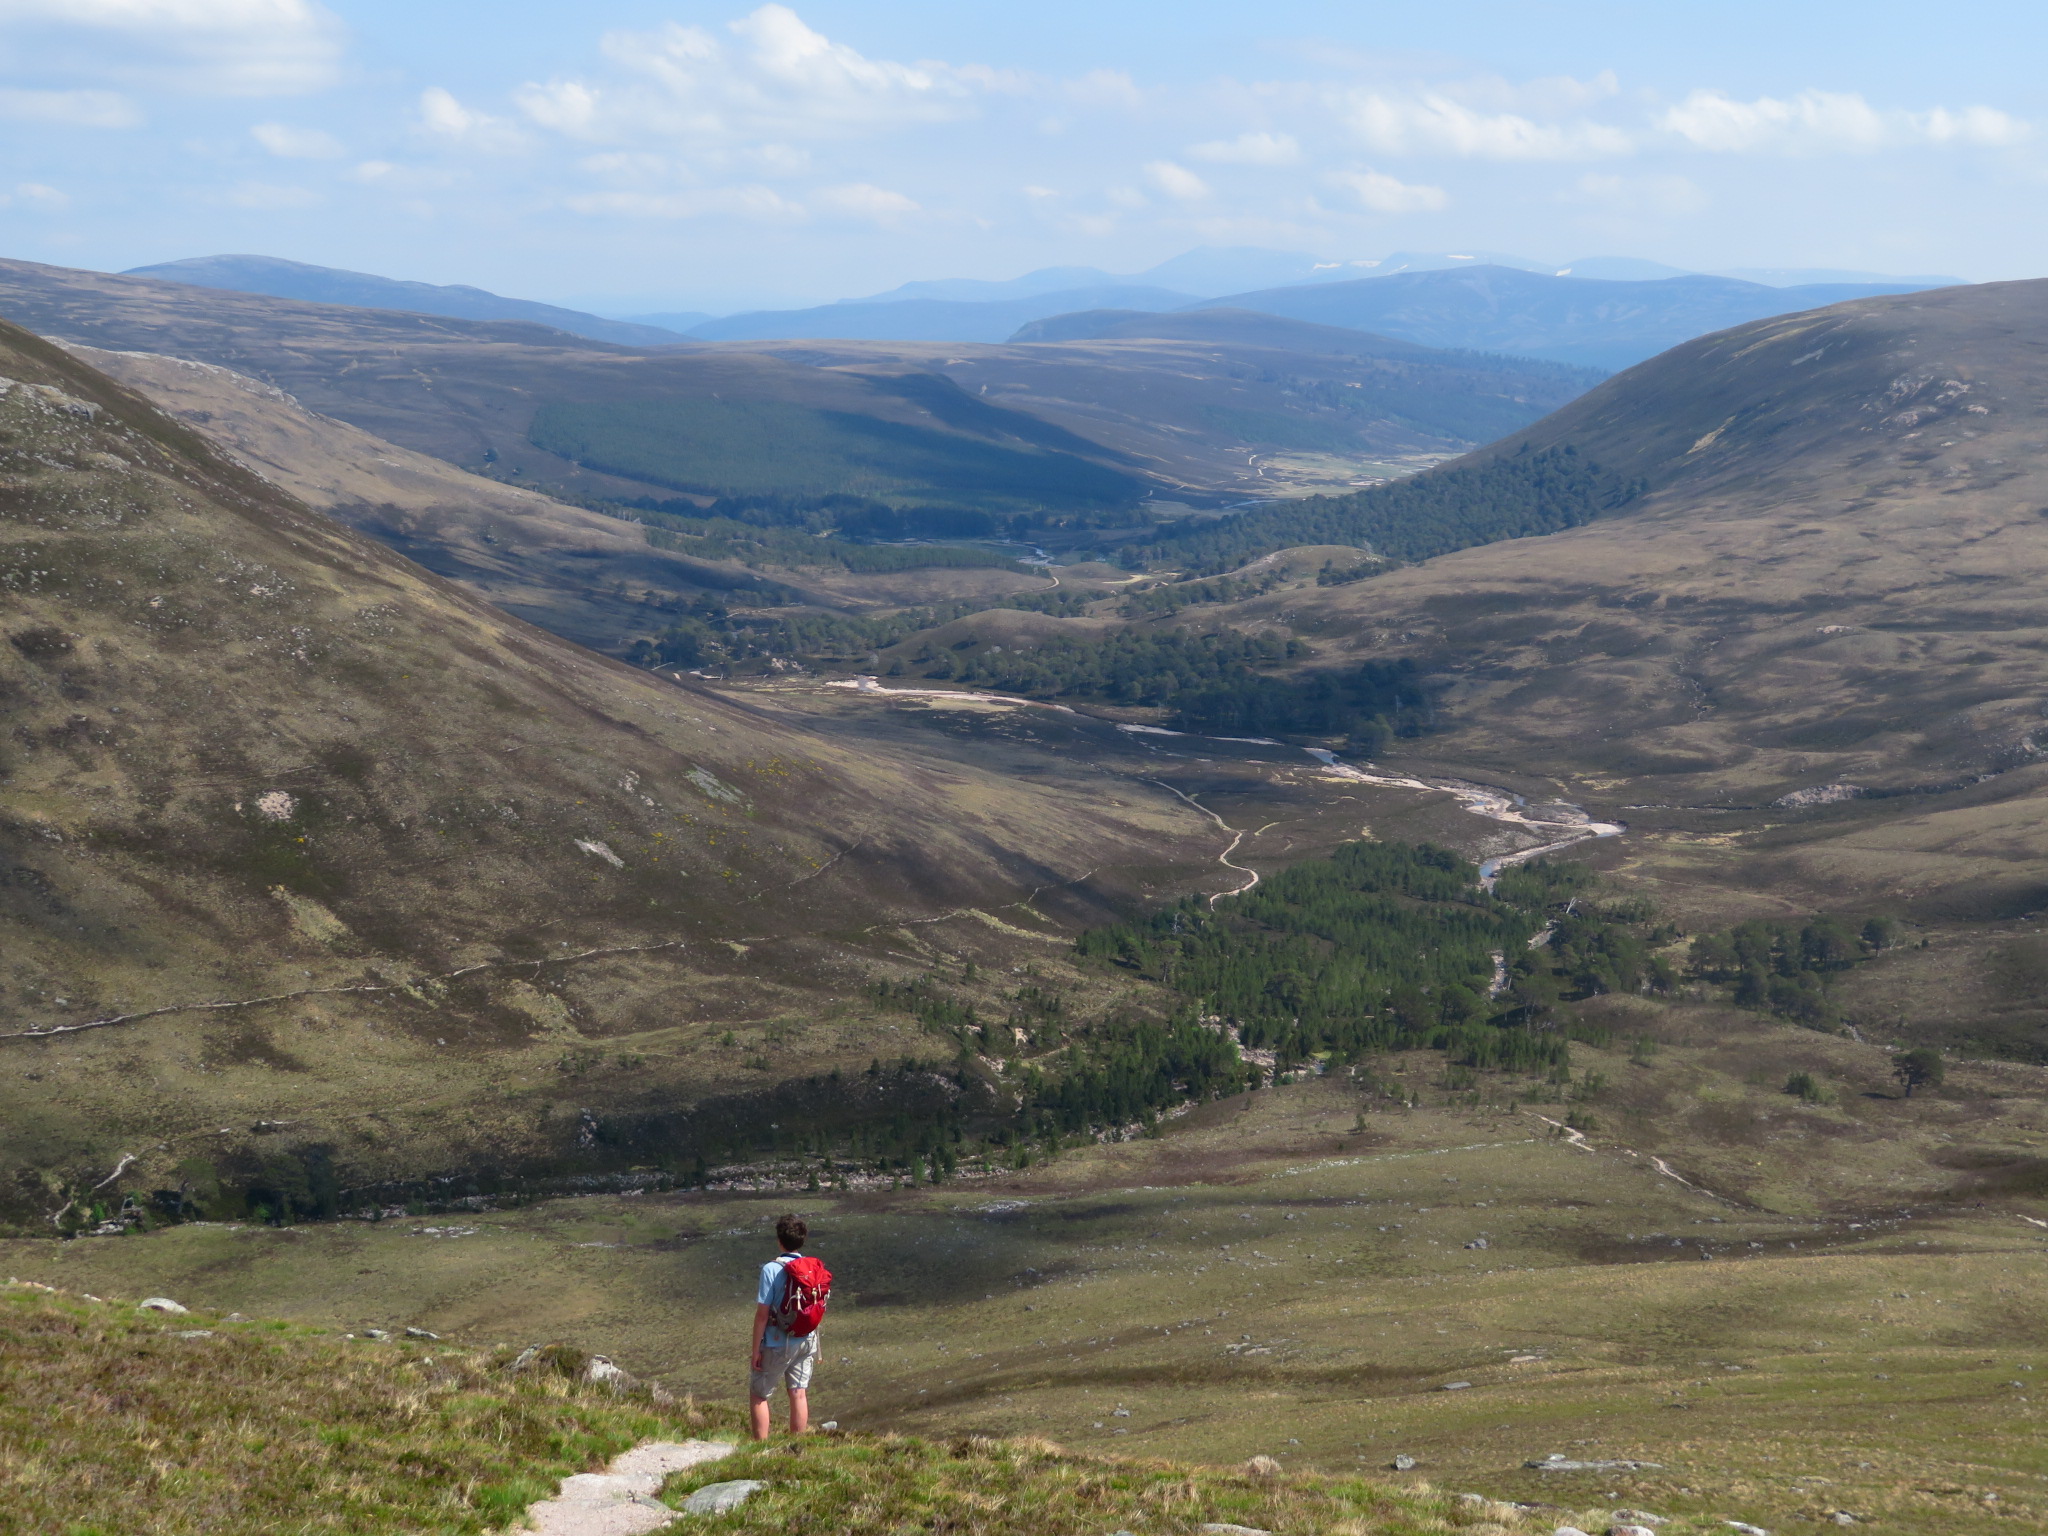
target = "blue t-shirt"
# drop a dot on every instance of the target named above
(774, 1281)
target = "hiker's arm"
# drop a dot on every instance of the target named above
(760, 1327)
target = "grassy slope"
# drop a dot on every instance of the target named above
(114, 1419)
(1837, 572)
(188, 640)
(1277, 1276)
(542, 560)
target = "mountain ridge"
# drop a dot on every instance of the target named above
(1589, 322)
(281, 279)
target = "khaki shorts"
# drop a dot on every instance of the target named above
(789, 1363)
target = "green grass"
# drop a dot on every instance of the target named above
(860, 1486)
(110, 1422)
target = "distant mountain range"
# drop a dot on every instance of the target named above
(1602, 311)
(282, 279)
(1559, 313)
(1585, 321)
(933, 319)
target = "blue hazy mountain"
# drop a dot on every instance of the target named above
(931, 319)
(282, 279)
(1590, 322)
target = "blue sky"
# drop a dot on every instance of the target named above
(631, 155)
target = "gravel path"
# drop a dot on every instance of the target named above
(620, 1500)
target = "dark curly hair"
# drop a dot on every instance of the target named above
(790, 1231)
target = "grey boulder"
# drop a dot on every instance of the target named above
(717, 1498)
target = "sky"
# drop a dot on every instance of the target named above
(633, 156)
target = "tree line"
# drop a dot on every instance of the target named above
(1531, 491)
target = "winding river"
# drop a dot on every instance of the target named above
(1563, 825)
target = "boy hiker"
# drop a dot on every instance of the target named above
(789, 1305)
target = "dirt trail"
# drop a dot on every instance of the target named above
(619, 1501)
(1223, 858)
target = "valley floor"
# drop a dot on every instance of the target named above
(1280, 1274)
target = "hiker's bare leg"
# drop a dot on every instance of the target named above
(759, 1409)
(799, 1410)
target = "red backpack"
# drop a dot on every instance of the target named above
(806, 1287)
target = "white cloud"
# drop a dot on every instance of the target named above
(866, 202)
(1385, 194)
(446, 118)
(1972, 125)
(34, 194)
(1250, 149)
(218, 47)
(70, 109)
(777, 78)
(1818, 122)
(289, 143)
(1177, 181)
(1435, 123)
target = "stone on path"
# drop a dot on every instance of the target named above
(717, 1498)
(619, 1501)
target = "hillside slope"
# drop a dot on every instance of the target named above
(1003, 428)
(386, 877)
(282, 279)
(1835, 576)
(584, 419)
(552, 564)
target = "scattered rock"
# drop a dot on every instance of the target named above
(717, 1498)
(1263, 1466)
(1567, 1530)
(601, 1368)
(194, 1333)
(1745, 1528)
(1630, 1530)
(1121, 1413)
(162, 1304)
(1404, 1463)
(829, 1424)
(1477, 1242)
(1638, 1517)
(1454, 1386)
(420, 1333)
(379, 1334)
(1842, 1517)
(1224, 1528)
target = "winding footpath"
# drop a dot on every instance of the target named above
(620, 1501)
